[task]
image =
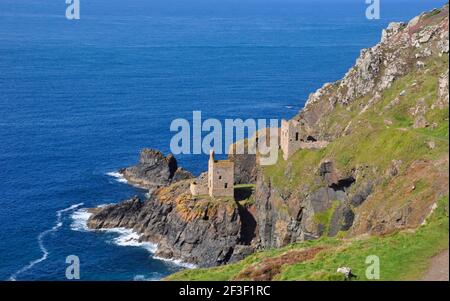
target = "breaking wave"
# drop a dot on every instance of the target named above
(126, 238)
(118, 176)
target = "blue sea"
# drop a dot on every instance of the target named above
(79, 99)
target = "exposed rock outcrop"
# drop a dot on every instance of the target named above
(308, 213)
(442, 100)
(205, 232)
(403, 48)
(405, 201)
(245, 169)
(155, 170)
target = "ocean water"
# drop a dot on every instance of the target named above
(79, 99)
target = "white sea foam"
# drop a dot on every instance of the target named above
(126, 238)
(176, 262)
(143, 278)
(129, 238)
(118, 176)
(79, 220)
(40, 239)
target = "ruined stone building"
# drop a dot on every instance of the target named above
(200, 185)
(293, 139)
(220, 179)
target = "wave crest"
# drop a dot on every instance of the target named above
(118, 176)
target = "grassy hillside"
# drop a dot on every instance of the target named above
(381, 133)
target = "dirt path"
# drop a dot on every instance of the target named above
(438, 269)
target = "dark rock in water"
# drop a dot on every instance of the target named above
(124, 214)
(154, 170)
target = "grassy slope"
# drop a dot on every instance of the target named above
(372, 141)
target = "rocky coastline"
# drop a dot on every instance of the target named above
(198, 230)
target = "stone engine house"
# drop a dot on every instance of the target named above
(292, 139)
(220, 179)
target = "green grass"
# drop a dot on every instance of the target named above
(403, 255)
(244, 194)
(227, 272)
(301, 166)
(244, 186)
(372, 142)
(324, 218)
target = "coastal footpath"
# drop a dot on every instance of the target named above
(379, 186)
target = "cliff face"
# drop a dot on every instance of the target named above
(387, 163)
(245, 170)
(326, 208)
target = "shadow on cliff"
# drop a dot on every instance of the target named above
(248, 221)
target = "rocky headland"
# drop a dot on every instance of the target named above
(201, 230)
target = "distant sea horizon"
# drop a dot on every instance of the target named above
(79, 99)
